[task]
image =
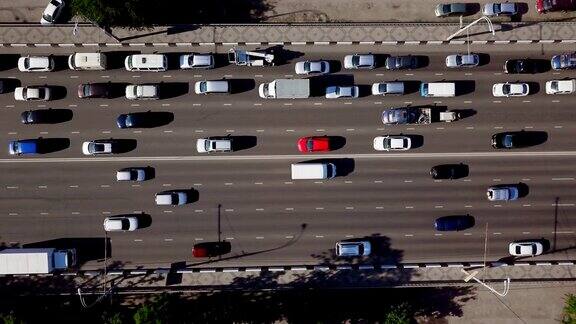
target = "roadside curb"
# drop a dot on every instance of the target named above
(376, 43)
(304, 268)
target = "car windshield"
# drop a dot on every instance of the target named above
(386, 143)
(310, 144)
(506, 88)
(174, 198)
(125, 224)
(508, 140)
(306, 66)
(203, 86)
(518, 249)
(547, 4)
(356, 60)
(382, 87)
(86, 90)
(98, 147)
(458, 60)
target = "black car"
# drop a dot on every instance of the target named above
(454, 223)
(94, 90)
(134, 120)
(520, 66)
(40, 116)
(401, 62)
(449, 171)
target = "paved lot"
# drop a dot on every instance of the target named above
(268, 218)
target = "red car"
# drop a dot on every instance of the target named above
(544, 6)
(314, 144)
(211, 249)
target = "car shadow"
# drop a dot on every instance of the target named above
(364, 90)
(465, 113)
(9, 61)
(240, 143)
(523, 9)
(241, 85)
(144, 220)
(115, 59)
(484, 59)
(379, 59)
(523, 190)
(417, 141)
(464, 87)
(57, 92)
(532, 138)
(150, 172)
(56, 116)
(174, 59)
(337, 142)
(9, 84)
(124, 145)
(465, 219)
(173, 89)
(220, 60)
(472, 9)
(155, 118)
(335, 66)
(54, 144)
(117, 89)
(541, 65)
(534, 87)
(423, 61)
(60, 62)
(411, 86)
(193, 195)
(344, 166)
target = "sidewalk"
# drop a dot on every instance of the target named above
(19, 35)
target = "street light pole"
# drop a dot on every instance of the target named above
(474, 273)
(488, 21)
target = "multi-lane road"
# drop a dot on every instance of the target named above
(269, 218)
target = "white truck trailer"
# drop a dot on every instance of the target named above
(285, 89)
(36, 261)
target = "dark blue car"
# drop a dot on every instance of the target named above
(454, 223)
(27, 146)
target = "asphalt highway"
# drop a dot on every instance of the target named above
(270, 219)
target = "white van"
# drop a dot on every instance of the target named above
(146, 62)
(87, 61)
(313, 171)
(438, 89)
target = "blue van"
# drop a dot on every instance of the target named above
(27, 146)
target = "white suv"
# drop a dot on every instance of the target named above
(207, 145)
(142, 92)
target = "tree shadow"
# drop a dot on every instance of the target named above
(173, 89)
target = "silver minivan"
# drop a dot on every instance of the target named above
(212, 86)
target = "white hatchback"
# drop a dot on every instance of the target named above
(35, 64)
(32, 93)
(142, 92)
(561, 86)
(121, 224)
(312, 67)
(197, 61)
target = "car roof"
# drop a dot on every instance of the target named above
(113, 223)
(201, 59)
